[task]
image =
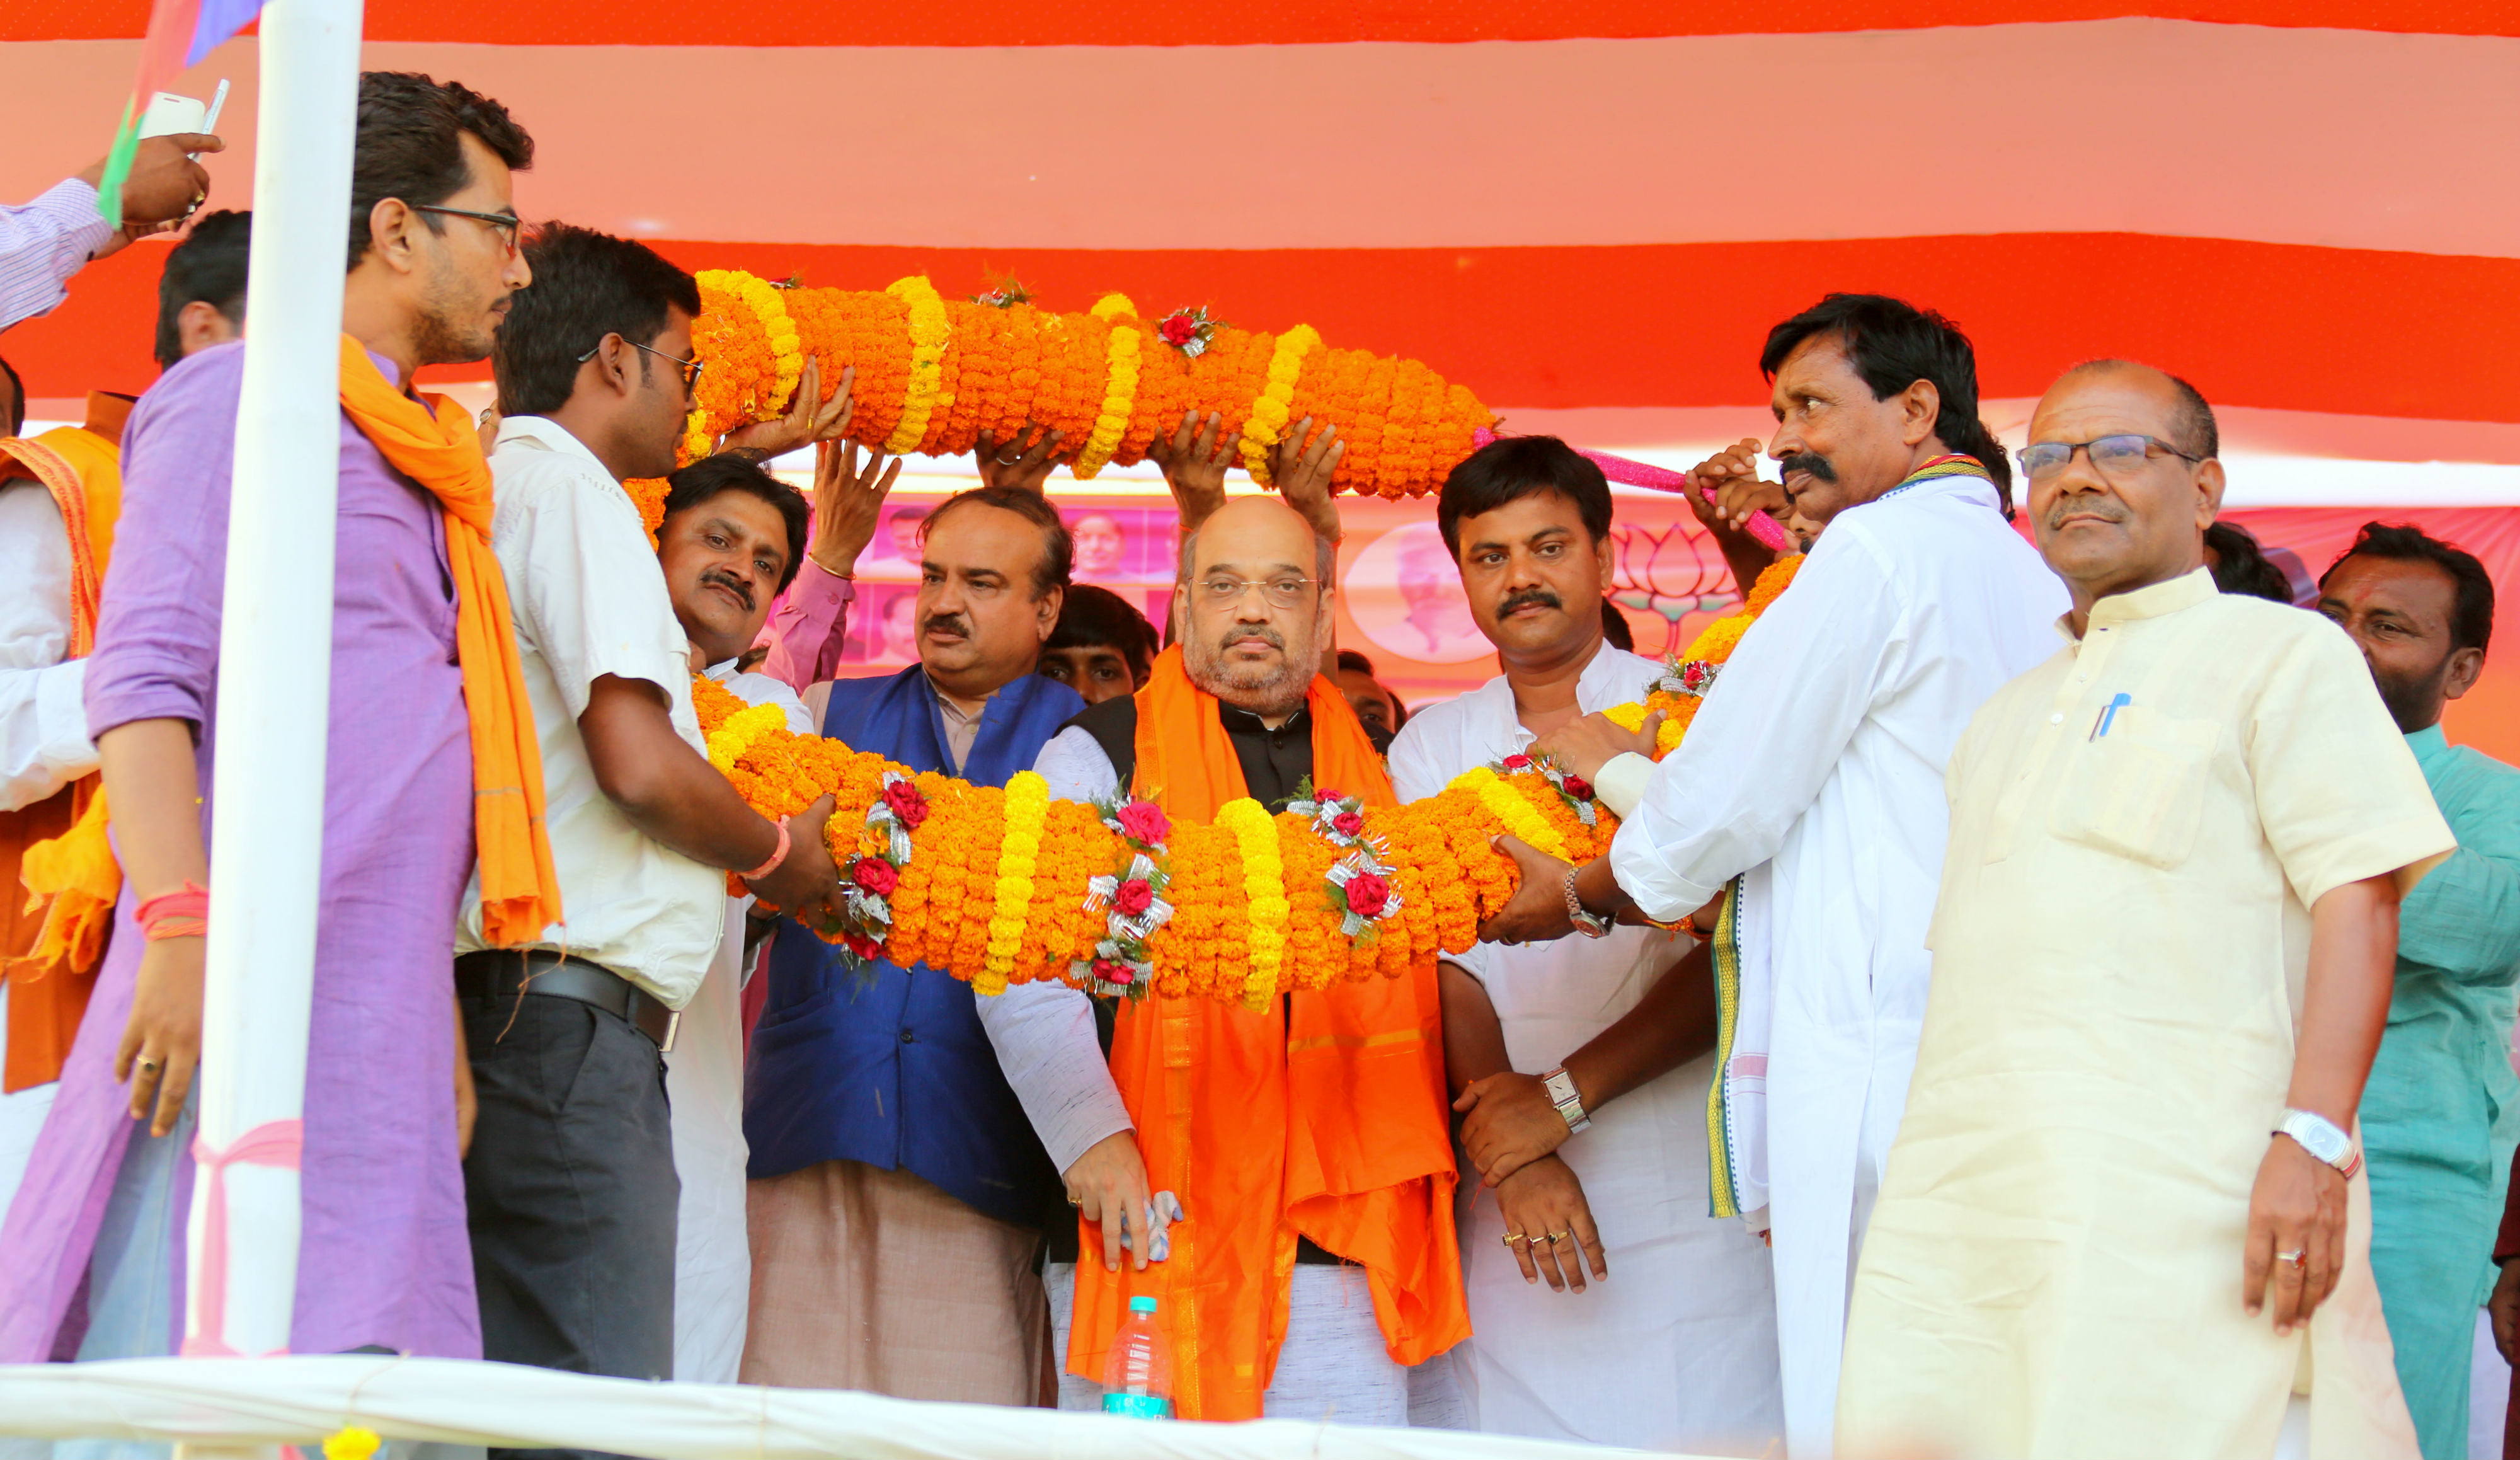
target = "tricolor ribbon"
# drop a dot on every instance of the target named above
(277, 1144)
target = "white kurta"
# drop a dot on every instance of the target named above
(704, 1083)
(1821, 748)
(43, 728)
(1678, 1351)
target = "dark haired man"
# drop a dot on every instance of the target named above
(727, 544)
(1541, 1041)
(571, 1181)
(898, 1195)
(200, 294)
(1810, 785)
(2240, 565)
(2439, 1112)
(1102, 647)
(1372, 700)
(2125, 1213)
(416, 707)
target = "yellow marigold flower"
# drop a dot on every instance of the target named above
(1267, 423)
(1120, 385)
(931, 328)
(1255, 835)
(1506, 804)
(1028, 812)
(1627, 716)
(353, 1443)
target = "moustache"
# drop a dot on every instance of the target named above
(1268, 636)
(2107, 509)
(1530, 598)
(1811, 463)
(733, 584)
(946, 623)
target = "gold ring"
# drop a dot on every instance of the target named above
(1511, 1238)
(1557, 1237)
(1076, 1202)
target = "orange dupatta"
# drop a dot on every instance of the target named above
(71, 875)
(1324, 1116)
(441, 450)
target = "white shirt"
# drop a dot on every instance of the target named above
(1822, 748)
(704, 1085)
(1043, 1031)
(43, 714)
(589, 600)
(1678, 1350)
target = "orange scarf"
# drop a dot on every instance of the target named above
(441, 450)
(57, 847)
(1324, 1116)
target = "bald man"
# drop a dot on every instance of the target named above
(2124, 1209)
(1346, 1248)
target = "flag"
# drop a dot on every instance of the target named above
(180, 33)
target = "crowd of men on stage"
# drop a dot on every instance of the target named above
(2086, 994)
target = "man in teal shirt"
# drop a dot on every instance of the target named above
(2442, 1110)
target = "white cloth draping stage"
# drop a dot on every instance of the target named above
(458, 1401)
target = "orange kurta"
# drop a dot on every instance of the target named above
(81, 466)
(1322, 1117)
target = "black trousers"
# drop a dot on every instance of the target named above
(570, 1191)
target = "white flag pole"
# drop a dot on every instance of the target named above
(274, 682)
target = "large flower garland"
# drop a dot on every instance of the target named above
(933, 374)
(1003, 886)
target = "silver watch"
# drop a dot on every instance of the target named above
(1561, 1093)
(2322, 1139)
(1588, 924)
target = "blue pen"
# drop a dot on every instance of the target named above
(2108, 713)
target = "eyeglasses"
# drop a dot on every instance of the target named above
(690, 369)
(1282, 593)
(2112, 456)
(505, 224)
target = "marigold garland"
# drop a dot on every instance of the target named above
(998, 887)
(933, 375)
(1120, 389)
(931, 328)
(1266, 424)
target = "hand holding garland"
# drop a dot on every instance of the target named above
(1194, 462)
(1303, 472)
(847, 503)
(1014, 463)
(809, 417)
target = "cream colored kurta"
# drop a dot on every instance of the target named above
(2053, 1268)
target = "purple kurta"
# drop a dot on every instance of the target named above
(382, 1255)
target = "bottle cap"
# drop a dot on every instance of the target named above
(1142, 1305)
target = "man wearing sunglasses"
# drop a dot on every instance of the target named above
(2126, 1212)
(571, 1179)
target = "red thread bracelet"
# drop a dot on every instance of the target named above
(778, 854)
(182, 913)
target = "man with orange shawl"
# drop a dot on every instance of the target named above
(430, 759)
(1303, 1145)
(61, 495)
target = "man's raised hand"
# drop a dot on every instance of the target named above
(809, 418)
(1012, 463)
(1303, 472)
(1194, 462)
(1583, 745)
(847, 502)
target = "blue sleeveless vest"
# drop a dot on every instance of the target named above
(899, 1074)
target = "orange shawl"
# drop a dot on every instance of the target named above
(441, 450)
(57, 847)
(1324, 1116)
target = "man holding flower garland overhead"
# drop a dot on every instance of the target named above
(1282, 1177)
(1815, 767)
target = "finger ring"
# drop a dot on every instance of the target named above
(2293, 1257)
(1007, 460)
(1076, 1202)
(1511, 1238)
(1556, 1237)
(151, 1067)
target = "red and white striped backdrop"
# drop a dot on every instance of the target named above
(1588, 210)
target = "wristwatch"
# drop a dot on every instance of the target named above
(1561, 1093)
(1588, 924)
(2321, 1137)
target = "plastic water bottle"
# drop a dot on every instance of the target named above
(1138, 1372)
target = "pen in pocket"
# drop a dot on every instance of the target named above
(2108, 713)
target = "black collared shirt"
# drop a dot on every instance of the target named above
(1274, 762)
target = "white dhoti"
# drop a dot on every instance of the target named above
(704, 1082)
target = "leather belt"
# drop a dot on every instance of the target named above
(501, 973)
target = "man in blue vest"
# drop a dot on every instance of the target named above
(898, 1193)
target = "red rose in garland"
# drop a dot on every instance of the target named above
(1579, 788)
(907, 804)
(1180, 329)
(1349, 823)
(1367, 894)
(1133, 896)
(877, 876)
(1144, 823)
